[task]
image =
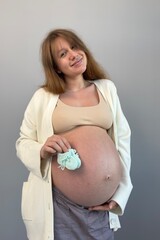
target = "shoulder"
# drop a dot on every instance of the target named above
(41, 92)
(41, 98)
(42, 95)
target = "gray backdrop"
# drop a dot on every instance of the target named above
(124, 36)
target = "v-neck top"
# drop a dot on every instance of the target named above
(66, 117)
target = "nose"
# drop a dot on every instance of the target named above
(72, 54)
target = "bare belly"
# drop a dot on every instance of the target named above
(100, 173)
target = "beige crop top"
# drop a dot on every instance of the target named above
(66, 117)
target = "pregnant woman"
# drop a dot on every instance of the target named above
(75, 141)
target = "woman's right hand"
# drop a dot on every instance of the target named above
(53, 145)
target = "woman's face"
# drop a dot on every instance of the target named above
(70, 60)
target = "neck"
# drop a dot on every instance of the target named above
(75, 86)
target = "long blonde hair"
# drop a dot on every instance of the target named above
(54, 81)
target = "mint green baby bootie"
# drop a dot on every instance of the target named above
(69, 160)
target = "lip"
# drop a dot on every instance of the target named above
(77, 62)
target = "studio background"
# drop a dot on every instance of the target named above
(124, 36)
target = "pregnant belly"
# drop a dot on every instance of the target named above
(100, 173)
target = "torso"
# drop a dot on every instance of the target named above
(100, 173)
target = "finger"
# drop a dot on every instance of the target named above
(58, 147)
(66, 143)
(99, 208)
(61, 145)
(61, 141)
(47, 152)
(112, 205)
(49, 149)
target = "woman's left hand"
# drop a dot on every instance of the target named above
(104, 207)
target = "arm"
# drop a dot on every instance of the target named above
(121, 135)
(37, 143)
(122, 140)
(28, 145)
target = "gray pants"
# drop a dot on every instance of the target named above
(74, 222)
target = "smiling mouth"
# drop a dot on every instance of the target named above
(77, 61)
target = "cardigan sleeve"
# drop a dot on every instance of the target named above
(28, 145)
(122, 136)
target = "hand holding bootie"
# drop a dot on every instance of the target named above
(69, 160)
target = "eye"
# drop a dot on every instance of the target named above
(73, 47)
(63, 54)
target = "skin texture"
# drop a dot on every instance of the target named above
(100, 173)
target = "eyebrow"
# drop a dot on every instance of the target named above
(64, 49)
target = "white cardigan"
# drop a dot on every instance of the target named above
(37, 204)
